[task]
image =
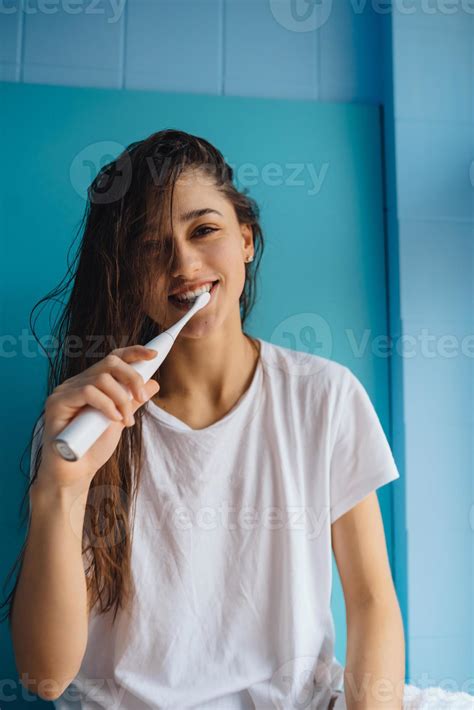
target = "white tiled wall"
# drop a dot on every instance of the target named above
(433, 77)
(234, 47)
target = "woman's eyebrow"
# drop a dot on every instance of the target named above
(194, 214)
(188, 216)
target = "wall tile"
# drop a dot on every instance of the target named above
(439, 466)
(433, 170)
(174, 45)
(264, 55)
(9, 72)
(446, 90)
(10, 41)
(10, 33)
(83, 48)
(442, 661)
(429, 14)
(71, 76)
(436, 269)
(442, 604)
(438, 373)
(351, 53)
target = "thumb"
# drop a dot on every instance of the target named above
(151, 388)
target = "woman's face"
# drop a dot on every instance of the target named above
(209, 247)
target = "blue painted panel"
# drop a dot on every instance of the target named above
(320, 192)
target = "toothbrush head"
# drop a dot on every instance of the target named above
(201, 301)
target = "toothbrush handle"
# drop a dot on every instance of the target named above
(86, 427)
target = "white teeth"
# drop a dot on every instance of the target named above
(191, 295)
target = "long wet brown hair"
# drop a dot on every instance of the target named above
(107, 281)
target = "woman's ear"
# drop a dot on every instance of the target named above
(247, 238)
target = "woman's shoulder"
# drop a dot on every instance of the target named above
(303, 367)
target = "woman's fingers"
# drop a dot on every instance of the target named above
(134, 352)
(125, 373)
(151, 388)
(64, 404)
(118, 393)
(107, 383)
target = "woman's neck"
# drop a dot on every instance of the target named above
(202, 394)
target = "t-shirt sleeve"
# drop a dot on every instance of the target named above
(361, 459)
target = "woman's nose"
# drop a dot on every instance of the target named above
(186, 260)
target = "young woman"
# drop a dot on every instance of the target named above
(185, 560)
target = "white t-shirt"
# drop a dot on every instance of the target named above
(231, 548)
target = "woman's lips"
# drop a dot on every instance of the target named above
(187, 305)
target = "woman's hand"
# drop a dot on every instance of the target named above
(100, 386)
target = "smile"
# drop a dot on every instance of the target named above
(186, 305)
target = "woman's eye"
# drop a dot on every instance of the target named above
(206, 229)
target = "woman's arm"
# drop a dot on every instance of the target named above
(49, 622)
(374, 675)
(375, 666)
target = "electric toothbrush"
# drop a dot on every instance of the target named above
(86, 427)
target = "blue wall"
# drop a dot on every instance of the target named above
(432, 213)
(419, 65)
(232, 47)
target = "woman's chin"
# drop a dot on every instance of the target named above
(197, 327)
